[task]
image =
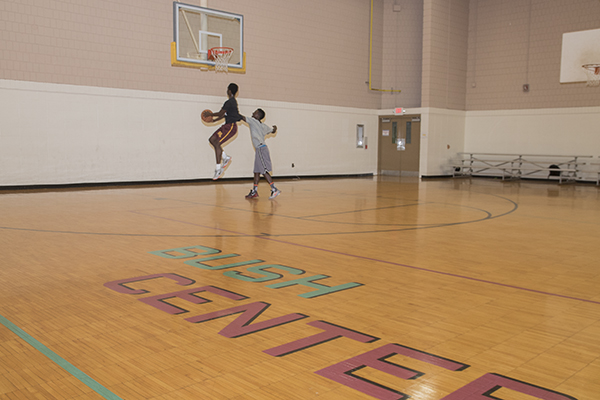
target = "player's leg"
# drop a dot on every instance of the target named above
(228, 133)
(258, 168)
(274, 191)
(226, 160)
(214, 141)
(265, 164)
(225, 133)
(268, 178)
(254, 192)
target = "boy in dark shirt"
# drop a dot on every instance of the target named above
(226, 131)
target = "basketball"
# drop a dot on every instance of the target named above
(206, 116)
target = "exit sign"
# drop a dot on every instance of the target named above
(399, 111)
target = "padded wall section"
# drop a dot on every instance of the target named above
(63, 134)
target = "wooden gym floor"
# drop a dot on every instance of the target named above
(356, 288)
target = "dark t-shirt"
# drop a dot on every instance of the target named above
(231, 111)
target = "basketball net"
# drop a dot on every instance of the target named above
(593, 74)
(221, 56)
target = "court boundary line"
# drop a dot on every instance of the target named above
(400, 228)
(58, 360)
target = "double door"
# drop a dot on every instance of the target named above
(399, 145)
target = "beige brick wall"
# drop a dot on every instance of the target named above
(402, 56)
(454, 54)
(516, 42)
(377, 47)
(307, 51)
(445, 37)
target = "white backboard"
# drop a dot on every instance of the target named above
(198, 29)
(578, 48)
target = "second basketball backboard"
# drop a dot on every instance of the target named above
(196, 30)
(578, 48)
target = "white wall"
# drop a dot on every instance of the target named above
(442, 136)
(63, 134)
(566, 131)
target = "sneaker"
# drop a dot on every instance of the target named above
(225, 162)
(218, 173)
(274, 193)
(252, 195)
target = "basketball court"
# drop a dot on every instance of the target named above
(379, 280)
(350, 288)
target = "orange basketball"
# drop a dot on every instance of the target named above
(207, 116)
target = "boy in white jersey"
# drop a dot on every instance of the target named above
(262, 157)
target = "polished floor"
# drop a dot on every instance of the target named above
(354, 288)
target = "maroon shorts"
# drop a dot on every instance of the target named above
(226, 132)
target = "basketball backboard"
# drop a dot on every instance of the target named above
(197, 29)
(578, 48)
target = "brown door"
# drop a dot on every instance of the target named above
(399, 145)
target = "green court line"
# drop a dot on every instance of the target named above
(67, 366)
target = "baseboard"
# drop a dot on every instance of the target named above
(435, 176)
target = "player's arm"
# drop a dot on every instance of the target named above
(274, 129)
(219, 115)
(243, 118)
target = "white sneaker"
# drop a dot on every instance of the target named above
(218, 173)
(274, 193)
(225, 162)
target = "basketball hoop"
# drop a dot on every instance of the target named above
(221, 56)
(593, 74)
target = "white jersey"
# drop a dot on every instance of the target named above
(258, 131)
